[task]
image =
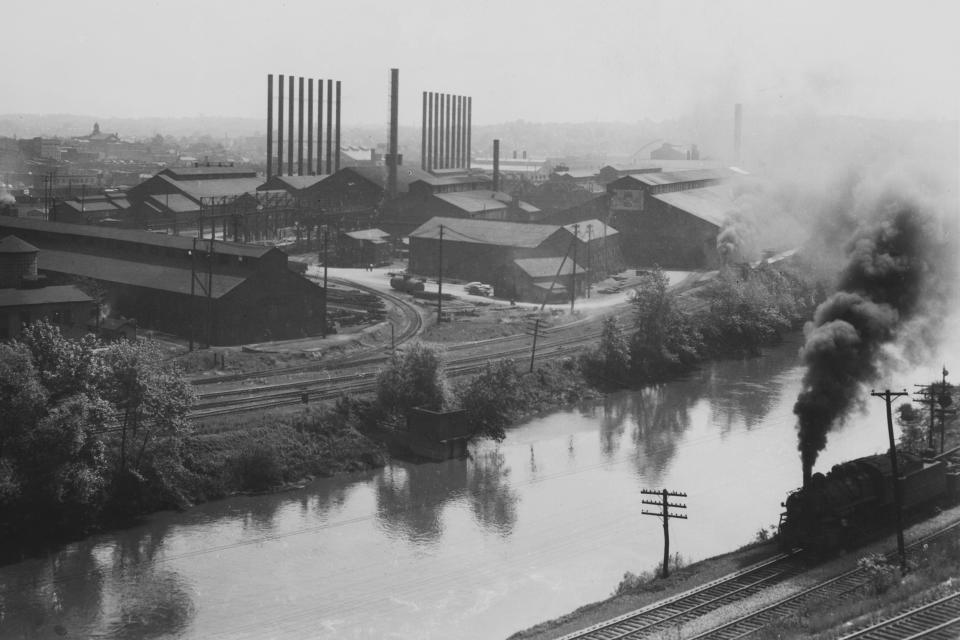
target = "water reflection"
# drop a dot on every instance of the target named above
(411, 497)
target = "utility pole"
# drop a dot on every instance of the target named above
(210, 322)
(193, 288)
(440, 278)
(326, 235)
(665, 504)
(533, 350)
(888, 397)
(573, 279)
(589, 262)
(926, 397)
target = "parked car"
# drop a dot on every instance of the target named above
(478, 289)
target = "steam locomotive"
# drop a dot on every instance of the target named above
(841, 508)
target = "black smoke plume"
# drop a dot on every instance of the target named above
(890, 275)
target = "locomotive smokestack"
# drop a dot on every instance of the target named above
(807, 473)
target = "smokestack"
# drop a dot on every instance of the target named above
(310, 126)
(441, 132)
(320, 126)
(496, 165)
(329, 125)
(269, 125)
(394, 114)
(448, 134)
(423, 134)
(807, 473)
(434, 156)
(469, 127)
(300, 128)
(336, 151)
(290, 129)
(280, 129)
(524, 154)
(737, 130)
(458, 144)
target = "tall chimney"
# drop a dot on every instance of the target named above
(496, 165)
(300, 128)
(329, 125)
(290, 129)
(737, 130)
(320, 126)
(394, 114)
(269, 125)
(469, 127)
(449, 134)
(458, 145)
(310, 126)
(336, 150)
(280, 129)
(423, 134)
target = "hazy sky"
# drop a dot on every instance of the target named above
(560, 60)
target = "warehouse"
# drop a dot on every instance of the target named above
(236, 293)
(488, 251)
(363, 248)
(671, 219)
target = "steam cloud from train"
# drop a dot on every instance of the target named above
(887, 294)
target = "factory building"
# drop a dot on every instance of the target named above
(25, 297)
(363, 248)
(671, 219)
(233, 294)
(514, 257)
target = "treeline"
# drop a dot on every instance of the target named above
(87, 430)
(735, 314)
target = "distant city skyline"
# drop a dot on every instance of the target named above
(557, 61)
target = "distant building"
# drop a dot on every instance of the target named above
(668, 151)
(363, 247)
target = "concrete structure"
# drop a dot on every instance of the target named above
(233, 294)
(671, 219)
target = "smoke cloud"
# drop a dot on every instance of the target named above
(892, 290)
(6, 198)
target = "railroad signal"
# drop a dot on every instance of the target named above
(665, 506)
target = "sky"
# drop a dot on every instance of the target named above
(557, 61)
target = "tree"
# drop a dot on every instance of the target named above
(744, 313)
(65, 367)
(23, 399)
(414, 378)
(493, 399)
(665, 341)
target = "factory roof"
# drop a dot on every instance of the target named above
(132, 273)
(547, 267)
(44, 295)
(91, 205)
(673, 177)
(126, 235)
(598, 229)
(478, 231)
(214, 188)
(291, 183)
(13, 244)
(578, 173)
(710, 204)
(480, 200)
(176, 202)
(207, 173)
(520, 168)
(368, 234)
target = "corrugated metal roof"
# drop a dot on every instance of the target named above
(186, 172)
(13, 244)
(218, 188)
(495, 232)
(176, 202)
(291, 183)
(133, 236)
(546, 267)
(472, 202)
(368, 234)
(710, 204)
(597, 229)
(46, 295)
(128, 272)
(673, 177)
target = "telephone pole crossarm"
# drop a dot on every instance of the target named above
(664, 513)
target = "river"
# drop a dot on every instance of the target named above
(526, 530)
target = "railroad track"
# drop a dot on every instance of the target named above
(667, 614)
(938, 620)
(839, 587)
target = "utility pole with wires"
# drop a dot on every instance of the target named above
(535, 331)
(323, 319)
(665, 505)
(888, 397)
(440, 278)
(589, 261)
(573, 278)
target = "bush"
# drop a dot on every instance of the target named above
(258, 469)
(881, 575)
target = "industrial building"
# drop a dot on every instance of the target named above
(25, 297)
(216, 292)
(363, 248)
(521, 261)
(671, 219)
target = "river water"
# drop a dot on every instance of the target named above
(526, 530)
